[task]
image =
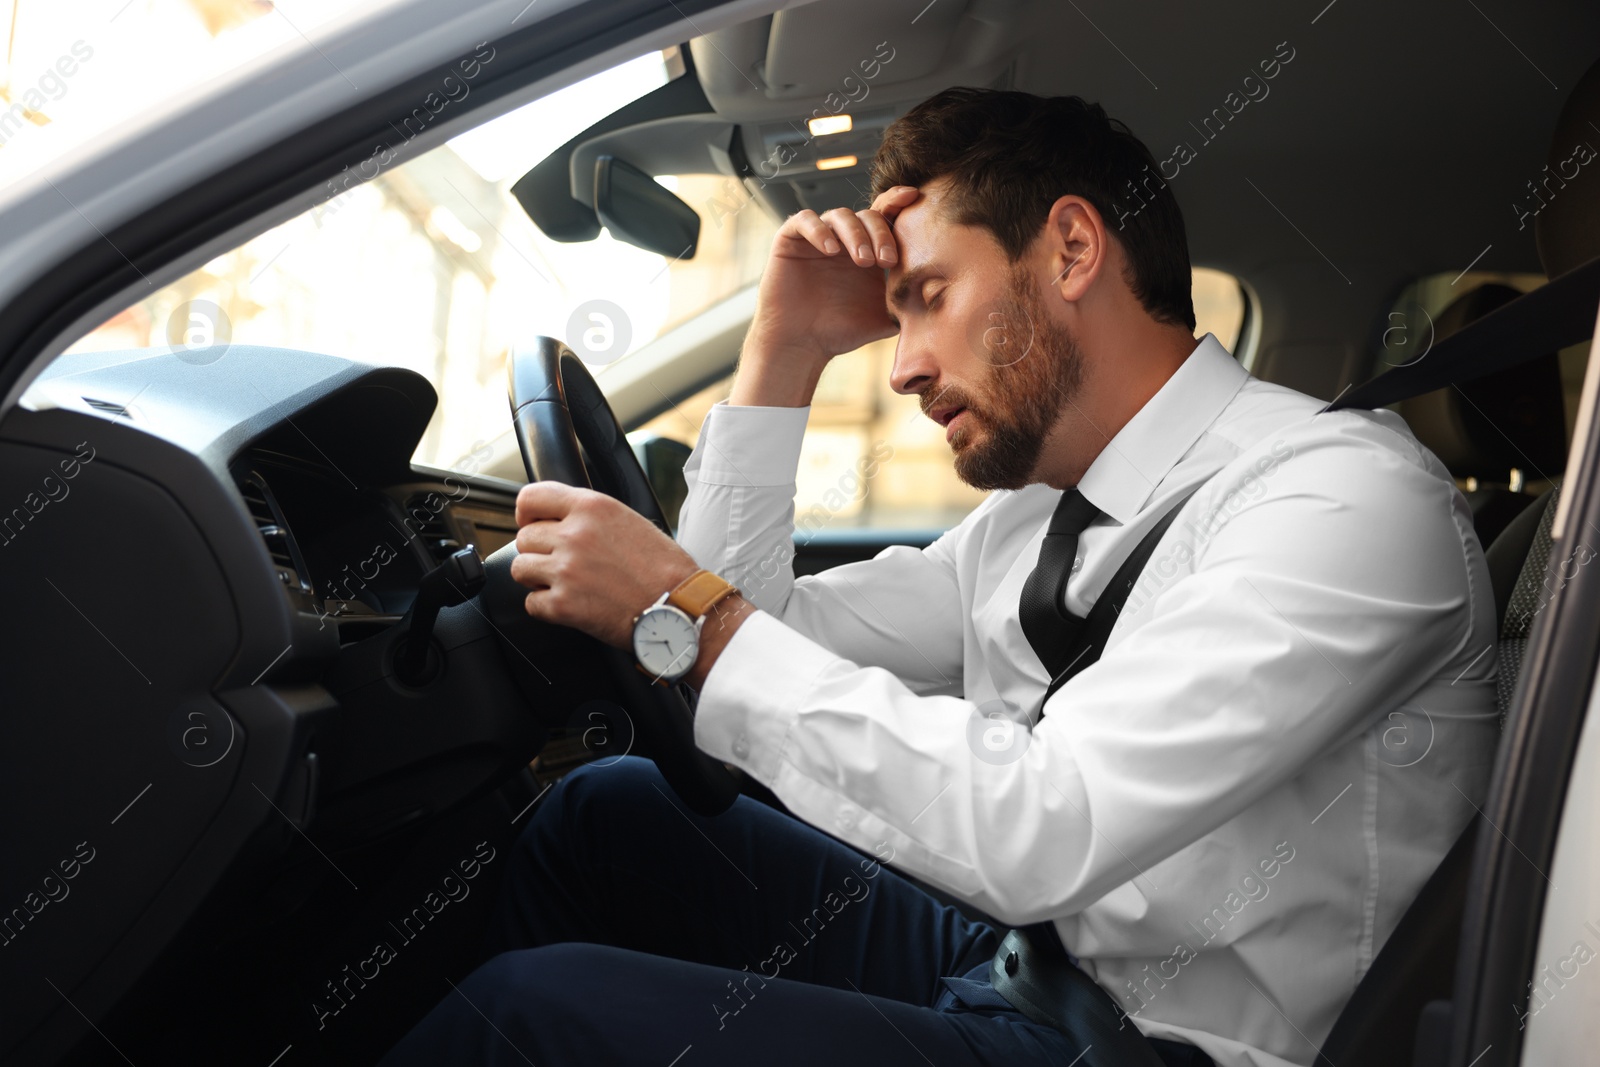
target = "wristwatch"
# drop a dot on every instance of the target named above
(666, 635)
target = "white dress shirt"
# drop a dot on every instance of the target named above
(1225, 816)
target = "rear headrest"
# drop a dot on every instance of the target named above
(1511, 418)
(1567, 228)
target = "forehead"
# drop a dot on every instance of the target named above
(922, 228)
(929, 236)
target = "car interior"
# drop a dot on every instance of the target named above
(297, 565)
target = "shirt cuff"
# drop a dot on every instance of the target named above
(749, 445)
(753, 693)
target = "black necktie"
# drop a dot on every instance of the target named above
(1045, 620)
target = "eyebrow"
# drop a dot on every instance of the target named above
(909, 281)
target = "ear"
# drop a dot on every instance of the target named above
(1076, 245)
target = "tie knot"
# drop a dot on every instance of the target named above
(1072, 514)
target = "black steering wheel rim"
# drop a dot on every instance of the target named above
(565, 427)
(568, 433)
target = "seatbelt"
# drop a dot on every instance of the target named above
(1035, 976)
(1096, 628)
(1557, 314)
(1032, 970)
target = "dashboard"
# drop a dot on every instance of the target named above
(348, 552)
(318, 450)
(209, 567)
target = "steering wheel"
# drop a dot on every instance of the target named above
(568, 433)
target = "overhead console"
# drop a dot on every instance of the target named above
(789, 80)
(792, 105)
(811, 57)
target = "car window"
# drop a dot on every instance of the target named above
(434, 266)
(871, 459)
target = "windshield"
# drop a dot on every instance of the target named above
(434, 266)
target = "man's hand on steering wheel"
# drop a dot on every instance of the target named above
(597, 557)
(592, 562)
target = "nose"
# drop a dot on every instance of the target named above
(915, 366)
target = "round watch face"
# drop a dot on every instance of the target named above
(666, 642)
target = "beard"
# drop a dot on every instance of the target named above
(1034, 370)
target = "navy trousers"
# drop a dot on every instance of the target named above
(633, 931)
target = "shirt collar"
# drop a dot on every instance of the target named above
(1135, 461)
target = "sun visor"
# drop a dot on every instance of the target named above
(854, 55)
(804, 46)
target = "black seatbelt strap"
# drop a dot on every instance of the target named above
(1032, 970)
(1035, 976)
(1096, 629)
(1557, 314)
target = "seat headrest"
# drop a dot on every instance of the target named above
(1517, 417)
(1484, 427)
(1567, 227)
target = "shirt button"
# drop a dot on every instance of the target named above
(1077, 564)
(846, 818)
(741, 747)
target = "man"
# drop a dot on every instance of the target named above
(1223, 818)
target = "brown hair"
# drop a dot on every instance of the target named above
(1010, 155)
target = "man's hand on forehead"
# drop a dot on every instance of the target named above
(894, 200)
(821, 295)
(865, 236)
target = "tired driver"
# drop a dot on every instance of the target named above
(1205, 806)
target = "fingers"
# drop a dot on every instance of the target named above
(895, 199)
(546, 517)
(537, 536)
(864, 235)
(534, 570)
(882, 237)
(546, 605)
(546, 500)
(553, 606)
(817, 232)
(536, 604)
(853, 234)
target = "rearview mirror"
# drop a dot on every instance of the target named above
(639, 210)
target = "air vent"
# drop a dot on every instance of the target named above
(107, 407)
(430, 526)
(269, 522)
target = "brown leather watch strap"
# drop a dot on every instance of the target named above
(699, 593)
